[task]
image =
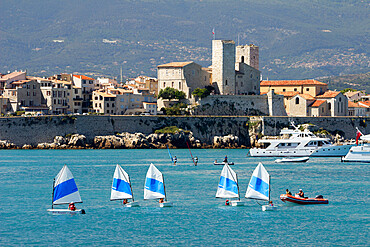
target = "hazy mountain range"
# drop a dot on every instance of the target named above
(297, 38)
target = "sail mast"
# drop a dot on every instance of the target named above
(190, 153)
(237, 184)
(129, 180)
(164, 188)
(52, 196)
(269, 187)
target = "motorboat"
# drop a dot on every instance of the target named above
(300, 143)
(359, 153)
(290, 199)
(300, 159)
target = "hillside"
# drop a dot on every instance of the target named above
(356, 81)
(297, 39)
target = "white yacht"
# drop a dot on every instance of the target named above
(300, 143)
(359, 153)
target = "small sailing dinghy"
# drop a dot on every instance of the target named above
(300, 159)
(228, 186)
(65, 191)
(223, 163)
(259, 187)
(154, 187)
(121, 187)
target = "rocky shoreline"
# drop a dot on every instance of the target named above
(131, 141)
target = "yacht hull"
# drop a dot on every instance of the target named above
(358, 154)
(331, 151)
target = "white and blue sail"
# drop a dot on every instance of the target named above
(121, 186)
(154, 184)
(169, 154)
(228, 185)
(259, 185)
(65, 189)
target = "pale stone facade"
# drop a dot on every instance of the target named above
(183, 76)
(311, 87)
(223, 66)
(248, 54)
(87, 85)
(25, 95)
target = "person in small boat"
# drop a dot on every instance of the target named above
(175, 160)
(72, 206)
(271, 204)
(125, 201)
(196, 161)
(288, 192)
(161, 200)
(300, 193)
(227, 203)
(225, 159)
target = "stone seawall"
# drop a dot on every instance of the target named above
(344, 126)
(34, 130)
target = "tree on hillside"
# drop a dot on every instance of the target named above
(348, 90)
(171, 93)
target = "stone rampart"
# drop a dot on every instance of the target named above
(34, 130)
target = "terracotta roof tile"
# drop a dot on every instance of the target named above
(83, 77)
(174, 64)
(307, 96)
(288, 94)
(317, 103)
(367, 103)
(328, 94)
(292, 83)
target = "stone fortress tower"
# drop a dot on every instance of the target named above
(248, 54)
(223, 66)
(235, 70)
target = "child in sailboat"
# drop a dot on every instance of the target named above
(125, 201)
(161, 200)
(196, 160)
(227, 203)
(271, 204)
(72, 206)
(175, 160)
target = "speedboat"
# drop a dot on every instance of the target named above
(298, 144)
(359, 153)
(303, 200)
(300, 159)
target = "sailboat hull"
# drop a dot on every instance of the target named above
(66, 211)
(269, 208)
(165, 204)
(237, 203)
(132, 204)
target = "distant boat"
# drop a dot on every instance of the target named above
(303, 200)
(259, 187)
(154, 187)
(228, 186)
(169, 154)
(300, 159)
(223, 163)
(121, 187)
(65, 191)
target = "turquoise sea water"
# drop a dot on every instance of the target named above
(197, 218)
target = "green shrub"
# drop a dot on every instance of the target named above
(170, 130)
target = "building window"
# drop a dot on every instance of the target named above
(225, 82)
(295, 90)
(173, 84)
(284, 89)
(242, 59)
(307, 89)
(297, 101)
(34, 93)
(329, 106)
(251, 75)
(179, 84)
(164, 84)
(107, 104)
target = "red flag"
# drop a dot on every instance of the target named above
(358, 134)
